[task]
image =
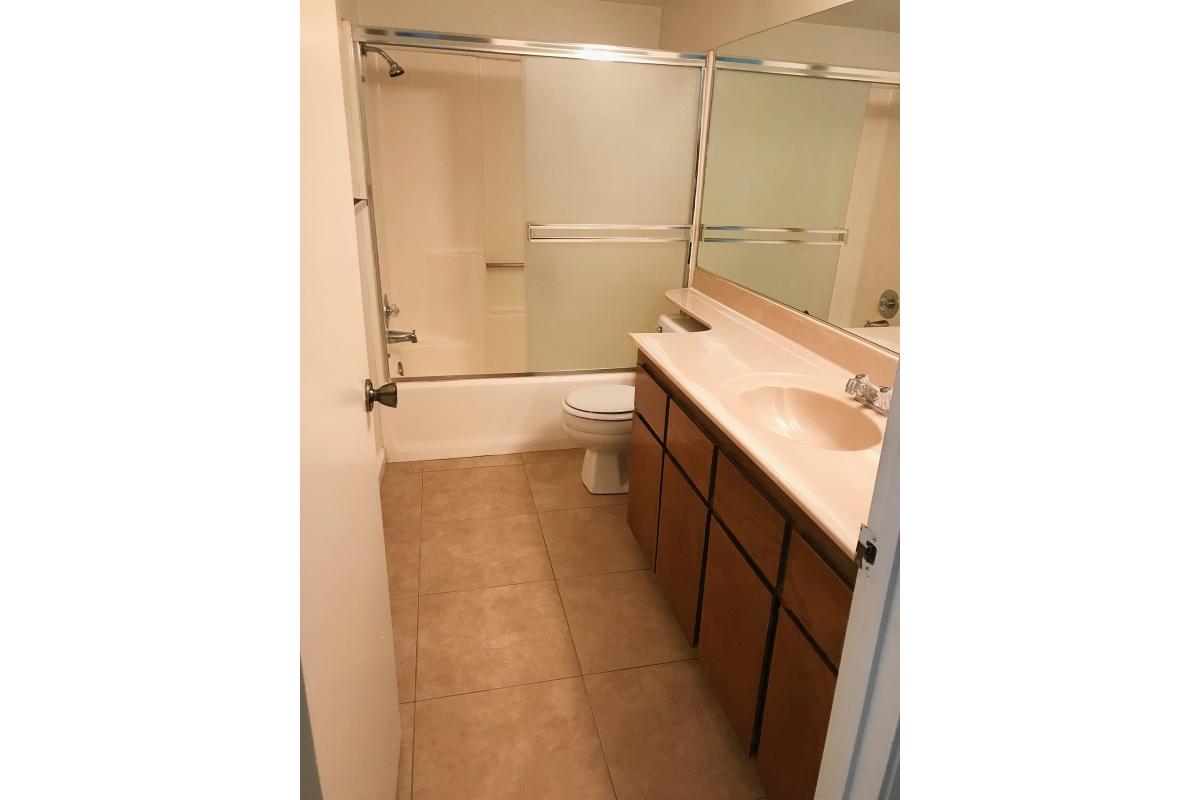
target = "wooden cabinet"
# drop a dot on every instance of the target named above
(681, 531)
(816, 595)
(645, 473)
(752, 520)
(795, 716)
(650, 401)
(691, 448)
(747, 573)
(734, 621)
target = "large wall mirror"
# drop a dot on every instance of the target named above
(801, 195)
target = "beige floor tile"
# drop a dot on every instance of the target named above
(556, 485)
(404, 779)
(458, 494)
(404, 644)
(471, 461)
(590, 541)
(666, 737)
(536, 456)
(477, 553)
(621, 620)
(489, 638)
(402, 546)
(400, 498)
(401, 467)
(535, 742)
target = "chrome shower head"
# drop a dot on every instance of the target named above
(394, 69)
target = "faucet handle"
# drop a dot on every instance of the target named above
(883, 401)
(855, 384)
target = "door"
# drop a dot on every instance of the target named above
(345, 621)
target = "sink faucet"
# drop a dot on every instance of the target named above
(876, 398)
(396, 337)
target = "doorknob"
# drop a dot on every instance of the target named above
(385, 394)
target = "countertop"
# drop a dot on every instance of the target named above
(833, 487)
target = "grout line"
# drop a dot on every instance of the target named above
(484, 588)
(578, 662)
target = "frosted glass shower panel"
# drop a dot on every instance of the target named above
(606, 143)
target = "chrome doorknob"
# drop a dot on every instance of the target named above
(385, 394)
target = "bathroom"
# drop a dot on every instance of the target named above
(633, 320)
(552, 450)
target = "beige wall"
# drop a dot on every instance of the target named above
(699, 25)
(592, 21)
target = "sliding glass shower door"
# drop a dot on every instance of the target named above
(610, 165)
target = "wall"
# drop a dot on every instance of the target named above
(591, 21)
(699, 25)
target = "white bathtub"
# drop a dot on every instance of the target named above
(482, 416)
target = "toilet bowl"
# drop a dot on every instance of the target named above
(600, 418)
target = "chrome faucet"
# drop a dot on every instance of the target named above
(876, 398)
(396, 337)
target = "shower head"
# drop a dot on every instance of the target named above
(394, 69)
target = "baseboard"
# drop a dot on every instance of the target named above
(381, 457)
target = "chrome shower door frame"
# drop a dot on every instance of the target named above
(457, 43)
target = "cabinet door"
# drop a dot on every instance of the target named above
(795, 716)
(734, 618)
(645, 472)
(691, 448)
(650, 401)
(750, 518)
(680, 547)
(816, 595)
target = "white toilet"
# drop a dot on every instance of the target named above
(600, 418)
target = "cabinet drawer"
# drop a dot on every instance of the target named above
(680, 547)
(817, 596)
(795, 716)
(734, 618)
(750, 518)
(650, 401)
(645, 471)
(691, 448)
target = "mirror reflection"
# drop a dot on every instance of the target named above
(802, 177)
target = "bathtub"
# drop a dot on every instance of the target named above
(482, 416)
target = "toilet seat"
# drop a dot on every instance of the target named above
(611, 402)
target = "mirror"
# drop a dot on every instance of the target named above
(801, 195)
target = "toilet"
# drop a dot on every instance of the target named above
(600, 418)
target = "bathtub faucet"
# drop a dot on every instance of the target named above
(396, 337)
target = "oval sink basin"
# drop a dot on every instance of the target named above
(806, 411)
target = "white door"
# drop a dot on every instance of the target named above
(345, 620)
(862, 748)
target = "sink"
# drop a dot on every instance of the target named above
(806, 410)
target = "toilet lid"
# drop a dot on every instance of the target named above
(606, 400)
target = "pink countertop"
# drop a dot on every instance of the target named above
(833, 487)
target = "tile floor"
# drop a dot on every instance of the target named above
(536, 657)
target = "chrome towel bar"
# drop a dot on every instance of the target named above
(793, 235)
(592, 232)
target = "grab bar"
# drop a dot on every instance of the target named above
(593, 232)
(839, 235)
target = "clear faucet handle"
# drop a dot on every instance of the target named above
(883, 401)
(856, 383)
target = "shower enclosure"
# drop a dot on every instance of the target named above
(529, 203)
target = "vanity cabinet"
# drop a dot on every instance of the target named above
(681, 532)
(761, 592)
(795, 716)
(733, 632)
(645, 473)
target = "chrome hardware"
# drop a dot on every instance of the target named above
(837, 236)
(389, 309)
(504, 264)
(866, 549)
(877, 323)
(396, 337)
(876, 398)
(596, 233)
(385, 394)
(889, 304)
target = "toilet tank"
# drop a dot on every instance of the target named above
(679, 323)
